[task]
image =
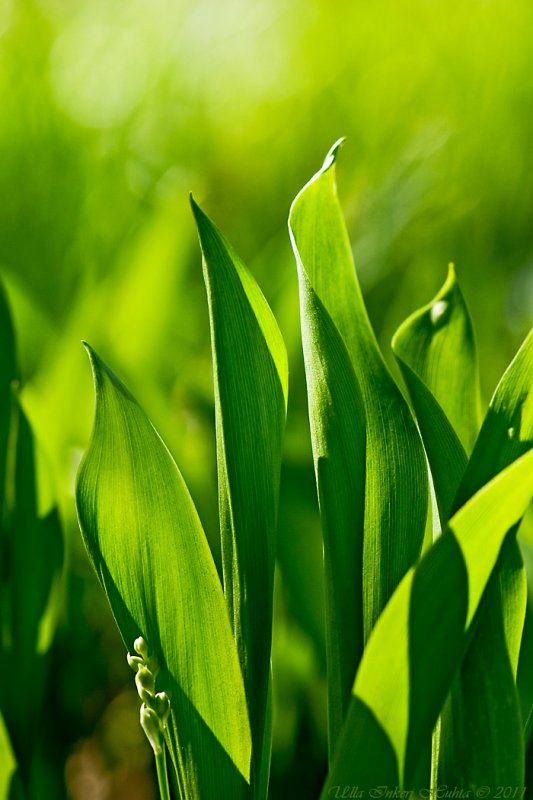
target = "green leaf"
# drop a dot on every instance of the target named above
(410, 661)
(8, 762)
(436, 353)
(472, 748)
(437, 343)
(435, 350)
(8, 373)
(31, 561)
(32, 551)
(507, 430)
(373, 502)
(146, 542)
(480, 738)
(251, 385)
(337, 420)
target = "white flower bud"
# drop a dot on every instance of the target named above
(152, 728)
(161, 705)
(140, 647)
(134, 661)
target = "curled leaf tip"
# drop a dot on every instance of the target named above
(438, 311)
(451, 278)
(93, 357)
(332, 154)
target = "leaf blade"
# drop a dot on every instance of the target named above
(435, 350)
(369, 464)
(506, 434)
(438, 650)
(251, 387)
(135, 510)
(436, 353)
(396, 479)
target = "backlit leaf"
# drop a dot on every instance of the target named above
(146, 542)
(251, 384)
(436, 353)
(373, 501)
(8, 763)
(410, 661)
(479, 740)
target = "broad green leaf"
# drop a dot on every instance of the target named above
(506, 434)
(470, 747)
(437, 343)
(373, 502)
(146, 542)
(410, 661)
(480, 738)
(338, 437)
(251, 384)
(435, 350)
(436, 353)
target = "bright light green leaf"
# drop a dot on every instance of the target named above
(251, 384)
(436, 353)
(506, 434)
(147, 545)
(446, 586)
(8, 763)
(366, 553)
(437, 343)
(435, 350)
(507, 430)
(471, 747)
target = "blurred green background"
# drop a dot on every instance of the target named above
(111, 112)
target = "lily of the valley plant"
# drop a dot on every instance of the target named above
(423, 631)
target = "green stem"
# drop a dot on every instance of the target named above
(162, 776)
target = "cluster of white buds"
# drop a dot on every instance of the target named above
(155, 707)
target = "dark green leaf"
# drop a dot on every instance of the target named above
(251, 384)
(8, 373)
(30, 592)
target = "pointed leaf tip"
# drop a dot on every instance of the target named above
(332, 154)
(91, 352)
(198, 214)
